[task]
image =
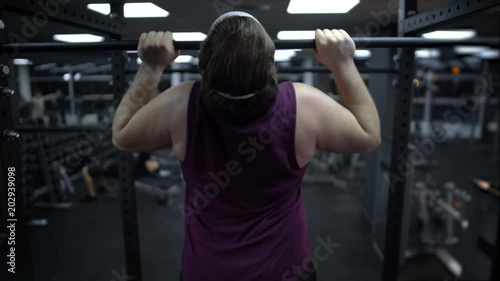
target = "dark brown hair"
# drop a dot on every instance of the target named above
(237, 58)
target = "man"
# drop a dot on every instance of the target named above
(244, 142)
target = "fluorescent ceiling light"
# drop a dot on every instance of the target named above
(362, 53)
(102, 8)
(321, 6)
(67, 77)
(143, 10)
(22, 61)
(179, 59)
(469, 50)
(132, 10)
(78, 38)
(297, 35)
(489, 54)
(183, 59)
(285, 55)
(78, 76)
(189, 36)
(132, 52)
(427, 53)
(451, 34)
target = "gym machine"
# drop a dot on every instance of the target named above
(409, 23)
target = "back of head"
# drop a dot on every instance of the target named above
(237, 60)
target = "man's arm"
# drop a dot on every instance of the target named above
(354, 127)
(357, 99)
(141, 92)
(134, 122)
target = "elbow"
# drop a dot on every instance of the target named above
(120, 143)
(372, 144)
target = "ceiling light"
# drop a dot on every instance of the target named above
(22, 61)
(427, 53)
(78, 38)
(469, 50)
(67, 77)
(321, 6)
(284, 55)
(362, 54)
(102, 8)
(189, 36)
(143, 10)
(77, 76)
(132, 10)
(297, 35)
(451, 34)
(489, 54)
(183, 59)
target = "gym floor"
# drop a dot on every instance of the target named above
(86, 242)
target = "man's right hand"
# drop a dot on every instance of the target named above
(334, 47)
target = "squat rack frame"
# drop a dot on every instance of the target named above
(409, 22)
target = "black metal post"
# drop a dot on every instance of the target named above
(399, 152)
(126, 166)
(15, 250)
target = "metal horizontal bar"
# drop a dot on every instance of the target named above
(62, 129)
(287, 70)
(374, 42)
(326, 70)
(454, 10)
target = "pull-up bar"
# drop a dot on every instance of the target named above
(374, 42)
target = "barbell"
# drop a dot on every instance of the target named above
(361, 42)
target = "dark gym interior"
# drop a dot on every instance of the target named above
(423, 206)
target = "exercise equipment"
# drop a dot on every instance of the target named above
(410, 21)
(370, 42)
(437, 216)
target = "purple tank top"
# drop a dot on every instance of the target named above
(243, 210)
